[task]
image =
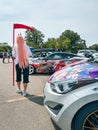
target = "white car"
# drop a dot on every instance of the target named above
(71, 97)
(88, 53)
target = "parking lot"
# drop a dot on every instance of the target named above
(23, 113)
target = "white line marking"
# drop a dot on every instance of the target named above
(23, 98)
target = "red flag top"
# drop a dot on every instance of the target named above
(17, 26)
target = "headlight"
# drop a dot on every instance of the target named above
(69, 85)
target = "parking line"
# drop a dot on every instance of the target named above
(23, 98)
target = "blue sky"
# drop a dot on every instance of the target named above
(51, 17)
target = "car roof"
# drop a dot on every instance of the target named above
(63, 53)
(86, 50)
(45, 50)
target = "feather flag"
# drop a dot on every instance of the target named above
(19, 26)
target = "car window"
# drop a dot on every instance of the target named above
(93, 51)
(54, 56)
(82, 51)
(64, 55)
(69, 55)
(39, 54)
(72, 55)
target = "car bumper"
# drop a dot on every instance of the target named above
(63, 107)
(56, 106)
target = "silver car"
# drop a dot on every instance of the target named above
(71, 97)
(88, 53)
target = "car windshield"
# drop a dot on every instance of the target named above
(87, 51)
(94, 51)
(39, 54)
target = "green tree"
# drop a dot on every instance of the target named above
(34, 39)
(51, 43)
(94, 47)
(5, 47)
(64, 43)
(75, 40)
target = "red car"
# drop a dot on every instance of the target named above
(51, 66)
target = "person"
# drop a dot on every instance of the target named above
(20, 53)
(3, 56)
(8, 56)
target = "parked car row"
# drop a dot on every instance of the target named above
(50, 63)
(40, 53)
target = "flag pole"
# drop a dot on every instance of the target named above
(12, 57)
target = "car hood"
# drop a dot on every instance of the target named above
(82, 70)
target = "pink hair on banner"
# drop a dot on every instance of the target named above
(22, 53)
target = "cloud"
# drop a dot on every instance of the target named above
(51, 17)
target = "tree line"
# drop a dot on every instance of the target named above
(5, 47)
(68, 41)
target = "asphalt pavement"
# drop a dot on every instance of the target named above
(22, 113)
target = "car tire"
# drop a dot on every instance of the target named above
(92, 57)
(32, 70)
(86, 118)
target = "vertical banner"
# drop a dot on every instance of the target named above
(18, 26)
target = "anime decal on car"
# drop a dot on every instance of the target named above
(46, 67)
(81, 71)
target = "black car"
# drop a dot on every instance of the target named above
(60, 56)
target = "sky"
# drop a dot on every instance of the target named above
(51, 17)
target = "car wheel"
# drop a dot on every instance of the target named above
(92, 57)
(32, 69)
(86, 118)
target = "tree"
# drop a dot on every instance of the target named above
(51, 43)
(65, 45)
(75, 40)
(5, 47)
(34, 39)
(94, 47)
